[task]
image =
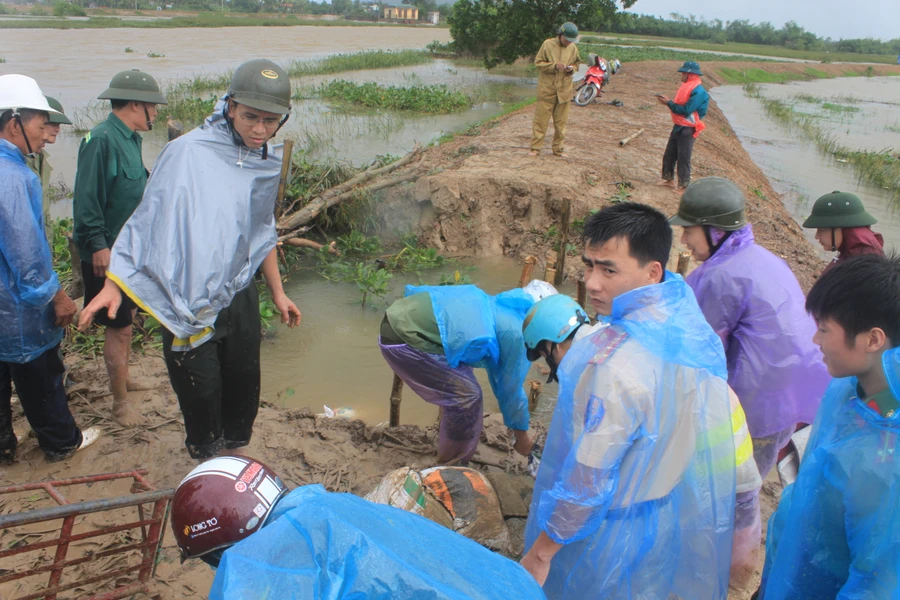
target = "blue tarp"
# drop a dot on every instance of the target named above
(836, 533)
(637, 478)
(321, 545)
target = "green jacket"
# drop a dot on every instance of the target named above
(109, 184)
(41, 167)
(551, 81)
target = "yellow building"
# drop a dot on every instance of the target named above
(401, 11)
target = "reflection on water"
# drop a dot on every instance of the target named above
(796, 169)
(333, 357)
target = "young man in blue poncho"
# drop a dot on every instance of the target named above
(836, 533)
(434, 336)
(634, 496)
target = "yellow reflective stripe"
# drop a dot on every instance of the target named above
(194, 339)
(744, 452)
(738, 419)
(720, 433)
(87, 138)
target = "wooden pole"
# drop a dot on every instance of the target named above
(631, 137)
(534, 395)
(581, 292)
(684, 261)
(287, 153)
(550, 267)
(563, 242)
(77, 288)
(527, 270)
(396, 398)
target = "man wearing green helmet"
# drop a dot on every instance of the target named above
(41, 166)
(189, 253)
(688, 109)
(109, 184)
(842, 225)
(557, 61)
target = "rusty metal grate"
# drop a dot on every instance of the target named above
(152, 528)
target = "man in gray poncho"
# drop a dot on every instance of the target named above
(189, 252)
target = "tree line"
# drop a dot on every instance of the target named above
(791, 35)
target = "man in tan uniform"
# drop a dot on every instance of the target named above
(557, 61)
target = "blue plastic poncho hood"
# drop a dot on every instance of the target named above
(637, 478)
(485, 331)
(323, 545)
(27, 280)
(754, 303)
(835, 533)
(202, 230)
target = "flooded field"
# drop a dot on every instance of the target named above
(860, 113)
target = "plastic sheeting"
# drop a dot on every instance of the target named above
(836, 533)
(485, 331)
(201, 232)
(27, 280)
(321, 545)
(632, 481)
(753, 301)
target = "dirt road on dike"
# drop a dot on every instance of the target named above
(483, 195)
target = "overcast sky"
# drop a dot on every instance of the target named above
(826, 18)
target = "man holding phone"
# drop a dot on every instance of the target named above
(557, 61)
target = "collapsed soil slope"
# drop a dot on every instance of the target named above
(485, 195)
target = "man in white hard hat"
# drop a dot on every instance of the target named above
(34, 309)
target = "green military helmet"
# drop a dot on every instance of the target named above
(691, 66)
(135, 86)
(568, 30)
(713, 201)
(263, 85)
(57, 119)
(837, 210)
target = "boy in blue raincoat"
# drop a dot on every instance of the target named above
(634, 497)
(836, 533)
(433, 338)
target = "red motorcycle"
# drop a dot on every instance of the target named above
(595, 79)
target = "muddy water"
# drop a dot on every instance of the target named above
(797, 170)
(333, 357)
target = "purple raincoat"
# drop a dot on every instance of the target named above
(751, 298)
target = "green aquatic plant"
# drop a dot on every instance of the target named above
(418, 98)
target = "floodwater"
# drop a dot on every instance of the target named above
(797, 170)
(333, 358)
(322, 128)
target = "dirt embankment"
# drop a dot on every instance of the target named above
(486, 196)
(483, 195)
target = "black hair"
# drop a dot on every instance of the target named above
(26, 114)
(119, 104)
(647, 230)
(859, 294)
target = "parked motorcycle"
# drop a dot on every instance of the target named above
(595, 79)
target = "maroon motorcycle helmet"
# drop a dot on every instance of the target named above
(221, 502)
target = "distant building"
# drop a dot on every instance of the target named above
(401, 11)
(434, 17)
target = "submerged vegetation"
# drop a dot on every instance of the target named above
(880, 168)
(629, 54)
(418, 98)
(359, 61)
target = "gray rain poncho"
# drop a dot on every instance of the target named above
(201, 232)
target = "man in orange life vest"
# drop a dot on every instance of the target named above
(688, 109)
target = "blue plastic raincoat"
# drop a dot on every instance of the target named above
(753, 301)
(485, 331)
(203, 228)
(637, 478)
(321, 545)
(836, 533)
(27, 280)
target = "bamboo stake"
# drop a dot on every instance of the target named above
(396, 398)
(550, 272)
(684, 261)
(631, 137)
(527, 270)
(581, 292)
(287, 153)
(563, 243)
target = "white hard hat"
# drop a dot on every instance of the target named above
(539, 290)
(19, 91)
